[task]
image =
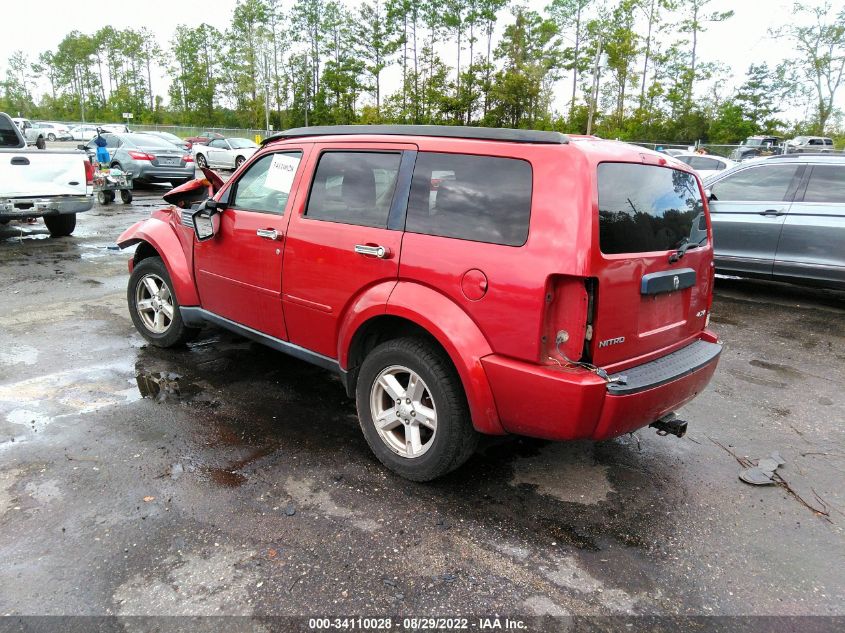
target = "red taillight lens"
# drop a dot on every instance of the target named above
(188, 158)
(141, 155)
(89, 172)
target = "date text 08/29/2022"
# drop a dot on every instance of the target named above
(416, 624)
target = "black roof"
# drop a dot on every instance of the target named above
(442, 131)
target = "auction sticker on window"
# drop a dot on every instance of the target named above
(281, 172)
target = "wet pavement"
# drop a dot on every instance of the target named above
(229, 479)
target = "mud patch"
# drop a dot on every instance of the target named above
(566, 471)
(191, 585)
(302, 491)
(783, 370)
(567, 574)
(19, 355)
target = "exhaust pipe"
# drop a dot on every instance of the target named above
(669, 424)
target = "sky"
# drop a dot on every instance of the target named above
(737, 42)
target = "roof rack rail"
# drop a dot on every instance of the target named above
(834, 153)
(441, 131)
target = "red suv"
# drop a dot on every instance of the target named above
(460, 280)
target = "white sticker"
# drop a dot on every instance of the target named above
(281, 172)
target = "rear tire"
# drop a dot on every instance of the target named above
(413, 389)
(60, 225)
(154, 307)
(201, 162)
(40, 143)
(239, 161)
(105, 197)
(51, 137)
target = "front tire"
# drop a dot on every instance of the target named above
(51, 137)
(413, 410)
(153, 305)
(40, 143)
(60, 225)
(239, 161)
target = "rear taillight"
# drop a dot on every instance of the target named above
(188, 158)
(89, 172)
(141, 155)
(566, 327)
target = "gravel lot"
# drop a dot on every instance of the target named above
(228, 479)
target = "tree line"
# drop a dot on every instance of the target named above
(622, 68)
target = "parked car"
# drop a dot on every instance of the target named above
(671, 151)
(512, 301)
(56, 131)
(167, 136)
(54, 185)
(228, 153)
(83, 132)
(203, 138)
(781, 218)
(705, 164)
(803, 144)
(33, 134)
(757, 146)
(148, 158)
(116, 128)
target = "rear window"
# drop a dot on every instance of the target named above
(645, 208)
(477, 198)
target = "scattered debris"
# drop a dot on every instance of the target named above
(290, 509)
(755, 471)
(148, 498)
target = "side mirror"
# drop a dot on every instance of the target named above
(206, 220)
(709, 194)
(83, 147)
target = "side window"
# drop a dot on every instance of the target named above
(827, 184)
(265, 186)
(478, 198)
(760, 183)
(700, 162)
(828, 141)
(354, 187)
(815, 141)
(686, 159)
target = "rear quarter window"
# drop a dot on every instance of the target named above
(645, 208)
(468, 197)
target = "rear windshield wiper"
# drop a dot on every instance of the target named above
(684, 247)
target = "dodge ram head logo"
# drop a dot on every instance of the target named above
(676, 282)
(612, 341)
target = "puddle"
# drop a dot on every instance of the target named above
(164, 386)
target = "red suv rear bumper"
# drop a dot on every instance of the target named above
(562, 404)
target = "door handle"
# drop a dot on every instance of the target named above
(269, 234)
(773, 212)
(376, 251)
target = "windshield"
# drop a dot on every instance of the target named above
(645, 208)
(241, 143)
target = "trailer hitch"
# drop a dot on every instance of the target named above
(670, 424)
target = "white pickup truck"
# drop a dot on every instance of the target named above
(52, 184)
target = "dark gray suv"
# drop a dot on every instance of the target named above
(781, 218)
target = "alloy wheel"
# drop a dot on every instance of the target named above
(403, 411)
(154, 303)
